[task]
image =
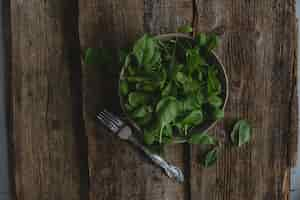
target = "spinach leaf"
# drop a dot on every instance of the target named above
(194, 60)
(124, 88)
(181, 78)
(124, 56)
(191, 103)
(185, 29)
(141, 112)
(168, 131)
(128, 107)
(200, 98)
(201, 39)
(189, 85)
(218, 113)
(167, 110)
(175, 69)
(151, 133)
(145, 119)
(130, 70)
(202, 138)
(149, 138)
(215, 101)
(167, 89)
(210, 158)
(213, 83)
(163, 102)
(144, 50)
(192, 86)
(212, 42)
(154, 60)
(98, 56)
(163, 78)
(137, 79)
(193, 118)
(146, 87)
(137, 98)
(241, 133)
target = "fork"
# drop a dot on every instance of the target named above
(125, 132)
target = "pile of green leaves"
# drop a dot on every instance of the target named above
(170, 86)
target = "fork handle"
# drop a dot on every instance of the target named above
(170, 170)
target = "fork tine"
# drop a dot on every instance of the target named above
(108, 123)
(106, 116)
(115, 119)
(102, 119)
(105, 119)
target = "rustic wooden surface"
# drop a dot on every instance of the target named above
(44, 126)
(58, 150)
(258, 49)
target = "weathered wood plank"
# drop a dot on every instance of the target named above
(258, 47)
(44, 122)
(294, 107)
(117, 171)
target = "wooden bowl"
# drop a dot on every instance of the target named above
(214, 60)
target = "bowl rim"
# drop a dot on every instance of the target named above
(178, 35)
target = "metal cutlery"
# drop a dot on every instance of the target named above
(125, 132)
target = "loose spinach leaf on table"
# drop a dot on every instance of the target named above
(210, 158)
(105, 59)
(241, 133)
(98, 56)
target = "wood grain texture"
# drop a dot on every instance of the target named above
(294, 107)
(59, 151)
(43, 122)
(258, 48)
(118, 171)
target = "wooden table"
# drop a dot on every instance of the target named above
(59, 152)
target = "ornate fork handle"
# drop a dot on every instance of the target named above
(170, 170)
